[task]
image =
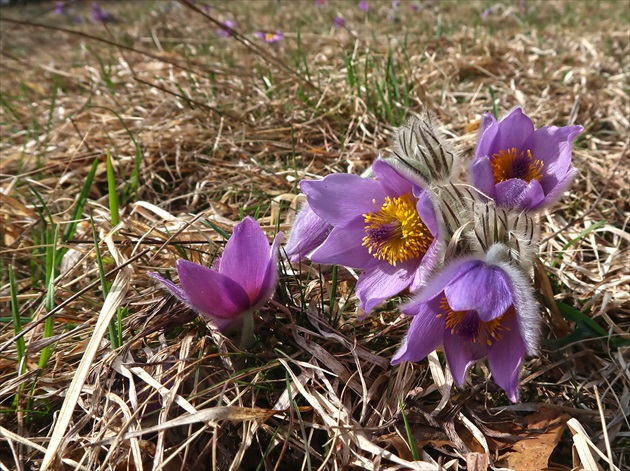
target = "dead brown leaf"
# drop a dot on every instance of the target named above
(544, 429)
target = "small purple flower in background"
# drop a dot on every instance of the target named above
(386, 226)
(242, 281)
(487, 12)
(339, 22)
(309, 232)
(224, 32)
(269, 37)
(205, 7)
(60, 8)
(475, 308)
(364, 6)
(396, 4)
(99, 15)
(320, 3)
(414, 7)
(519, 166)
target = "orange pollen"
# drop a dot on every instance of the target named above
(395, 232)
(510, 163)
(468, 325)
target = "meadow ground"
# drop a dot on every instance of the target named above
(130, 143)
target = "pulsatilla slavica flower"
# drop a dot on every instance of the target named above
(522, 167)
(385, 226)
(475, 308)
(243, 280)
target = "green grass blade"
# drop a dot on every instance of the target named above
(49, 323)
(20, 346)
(410, 439)
(111, 188)
(495, 111)
(580, 236)
(71, 228)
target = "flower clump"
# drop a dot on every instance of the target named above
(462, 252)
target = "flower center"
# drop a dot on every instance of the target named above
(509, 163)
(467, 324)
(396, 232)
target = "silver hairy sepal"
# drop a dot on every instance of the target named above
(519, 232)
(422, 150)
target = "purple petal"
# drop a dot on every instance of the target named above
(211, 293)
(487, 133)
(552, 145)
(445, 276)
(425, 334)
(558, 190)
(270, 279)
(172, 287)
(461, 354)
(390, 180)
(343, 247)
(246, 257)
(339, 198)
(485, 289)
(429, 262)
(481, 176)
(377, 284)
(533, 196)
(426, 210)
(505, 358)
(514, 130)
(518, 193)
(309, 232)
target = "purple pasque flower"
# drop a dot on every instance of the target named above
(244, 279)
(270, 37)
(519, 166)
(339, 22)
(99, 15)
(225, 33)
(385, 226)
(309, 232)
(475, 308)
(60, 8)
(364, 6)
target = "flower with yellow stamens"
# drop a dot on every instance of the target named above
(522, 167)
(475, 308)
(384, 225)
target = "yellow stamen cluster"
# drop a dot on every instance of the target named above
(396, 232)
(488, 332)
(510, 163)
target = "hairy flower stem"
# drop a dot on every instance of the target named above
(247, 331)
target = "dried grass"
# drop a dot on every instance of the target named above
(227, 127)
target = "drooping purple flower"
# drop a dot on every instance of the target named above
(224, 32)
(519, 166)
(242, 281)
(364, 6)
(487, 12)
(339, 22)
(60, 8)
(309, 232)
(98, 14)
(270, 37)
(386, 226)
(475, 308)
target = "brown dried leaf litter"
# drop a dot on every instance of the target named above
(317, 390)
